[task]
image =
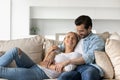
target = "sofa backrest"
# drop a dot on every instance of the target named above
(33, 46)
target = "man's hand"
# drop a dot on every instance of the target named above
(60, 66)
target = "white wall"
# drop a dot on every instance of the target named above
(53, 26)
(39, 12)
(5, 19)
(106, 25)
(105, 12)
(20, 18)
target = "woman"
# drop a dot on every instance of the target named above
(27, 69)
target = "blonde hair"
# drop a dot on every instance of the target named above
(77, 38)
(76, 35)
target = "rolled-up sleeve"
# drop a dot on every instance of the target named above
(96, 44)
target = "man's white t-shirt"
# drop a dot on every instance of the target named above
(79, 47)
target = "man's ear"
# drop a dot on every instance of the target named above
(90, 28)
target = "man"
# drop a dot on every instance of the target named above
(89, 43)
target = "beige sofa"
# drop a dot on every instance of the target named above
(36, 47)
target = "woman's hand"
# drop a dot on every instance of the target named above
(44, 64)
(52, 48)
(49, 58)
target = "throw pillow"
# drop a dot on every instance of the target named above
(104, 35)
(48, 43)
(104, 62)
(112, 48)
(115, 36)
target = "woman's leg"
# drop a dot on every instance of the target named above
(33, 73)
(21, 59)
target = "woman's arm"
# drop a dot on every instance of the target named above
(52, 67)
(49, 58)
(50, 52)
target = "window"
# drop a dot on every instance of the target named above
(60, 36)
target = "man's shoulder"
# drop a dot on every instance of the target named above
(94, 36)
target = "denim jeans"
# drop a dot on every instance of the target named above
(82, 72)
(26, 69)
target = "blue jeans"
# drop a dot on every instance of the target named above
(26, 69)
(82, 72)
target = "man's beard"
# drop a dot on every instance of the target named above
(84, 36)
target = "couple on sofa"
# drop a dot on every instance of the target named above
(76, 52)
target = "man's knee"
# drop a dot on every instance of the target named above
(63, 76)
(91, 74)
(72, 75)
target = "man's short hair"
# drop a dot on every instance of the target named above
(85, 20)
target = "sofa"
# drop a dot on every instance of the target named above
(36, 48)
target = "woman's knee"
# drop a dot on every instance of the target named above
(17, 50)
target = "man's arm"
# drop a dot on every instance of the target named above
(88, 57)
(59, 66)
(94, 44)
(77, 61)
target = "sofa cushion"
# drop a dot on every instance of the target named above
(115, 36)
(33, 46)
(104, 35)
(104, 62)
(112, 48)
(48, 43)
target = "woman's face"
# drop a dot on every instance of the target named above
(70, 40)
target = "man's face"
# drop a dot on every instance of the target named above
(82, 32)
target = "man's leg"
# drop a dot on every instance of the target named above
(21, 59)
(72, 75)
(89, 72)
